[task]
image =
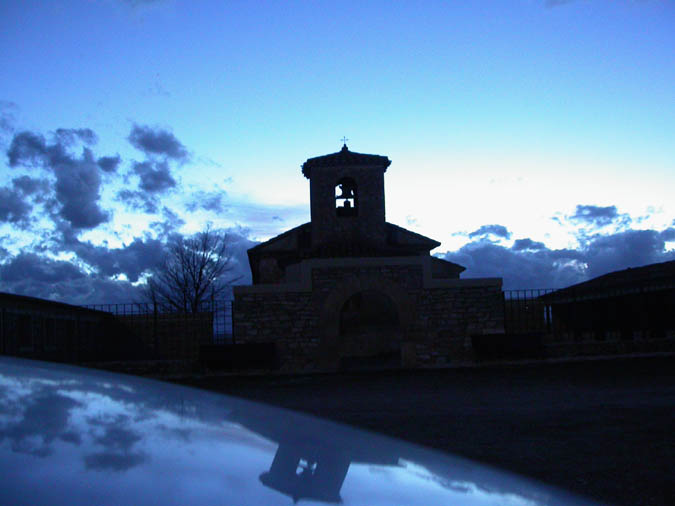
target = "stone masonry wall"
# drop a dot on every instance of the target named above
(437, 332)
(288, 319)
(370, 221)
(448, 317)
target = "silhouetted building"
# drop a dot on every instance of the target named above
(349, 289)
(636, 303)
(47, 330)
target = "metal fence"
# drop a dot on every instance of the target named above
(154, 318)
(525, 311)
(643, 312)
(648, 312)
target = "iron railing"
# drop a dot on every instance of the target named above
(155, 316)
(569, 315)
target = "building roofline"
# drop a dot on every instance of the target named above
(38, 300)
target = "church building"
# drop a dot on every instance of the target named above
(348, 290)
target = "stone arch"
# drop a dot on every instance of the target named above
(329, 321)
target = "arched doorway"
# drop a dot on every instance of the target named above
(369, 332)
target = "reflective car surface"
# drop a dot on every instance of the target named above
(79, 436)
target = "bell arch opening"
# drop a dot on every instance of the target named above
(346, 199)
(369, 331)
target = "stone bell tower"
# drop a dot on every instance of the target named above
(347, 199)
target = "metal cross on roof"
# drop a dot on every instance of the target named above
(344, 140)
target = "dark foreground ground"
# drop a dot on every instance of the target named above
(605, 429)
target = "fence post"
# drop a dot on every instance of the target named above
(232, 320)
(155, 334)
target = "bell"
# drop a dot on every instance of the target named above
(346, 191)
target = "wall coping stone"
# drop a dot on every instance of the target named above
(302, 274)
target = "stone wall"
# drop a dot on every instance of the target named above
(287, 319)
(436, 321)
(448, 317)
(369, 223)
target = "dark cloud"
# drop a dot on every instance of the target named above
(139, 201)
(519, 269)
(497, 230)
(13, 207)
(30, 266)
(44, 418)
(8, 112)
(527, 244)
(113, 461)
(668, 234)
(40, 276)
(77, 190)
(631, 248)
(27, 148)
(137, 3)
(155, 176)
(557, 3)
(599, 216)
(132, 260)
(93, 278)
(168, 225)
(69, 136)
(118, 442)
(109, 163)
(30, 186)
(78, 179)
(87, 289)
(529, 264)
(157, 142)
(209, 201)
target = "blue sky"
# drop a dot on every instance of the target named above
(553, 120)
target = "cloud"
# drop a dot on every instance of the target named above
(44, 418)
(527, 244)
(30, 266)
(13, 208)
(27, 148)
(599, 216)
(155, 176)
(8, 112)
(69, 136)
(209, 201)
(48, 281)
(530, 264)
(77, 189)
(139, 201)
(113, 461)
(30, 186)
(168, 225)
(132, 260)
(78, 179)
(557, 3)
(631, 248)
(157, 142)
(668, 234)
(94, 276)
(109, 163)
(519, 269)
(497, 230)
(137, 3)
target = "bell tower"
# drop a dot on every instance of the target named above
(347, 199)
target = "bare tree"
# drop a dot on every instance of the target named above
(194, 270)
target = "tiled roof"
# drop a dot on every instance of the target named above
(344, 157)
